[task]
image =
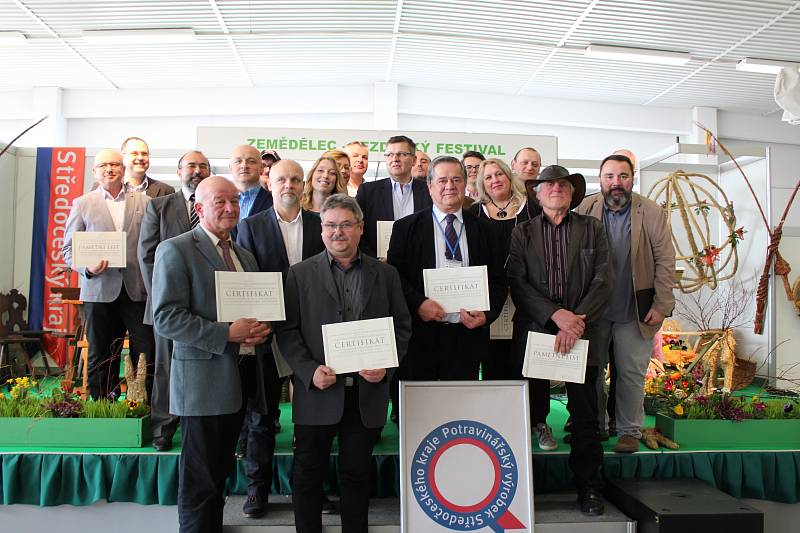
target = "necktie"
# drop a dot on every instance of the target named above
(193, 219)
(226, 254)
(452, 239)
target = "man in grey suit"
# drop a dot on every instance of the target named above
(338, 285)
(208, 388)
(164, 218)
(114, 298)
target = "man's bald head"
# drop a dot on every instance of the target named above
(286, 186)
(630, 155)
(216, 201)
(108, 170)
(245, 164)
(526, 164)
(287, 165)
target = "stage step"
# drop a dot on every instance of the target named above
(555, 513)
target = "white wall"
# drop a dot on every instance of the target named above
(8, 173)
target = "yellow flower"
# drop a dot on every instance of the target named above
(678, 409)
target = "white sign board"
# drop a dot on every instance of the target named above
(465, 457)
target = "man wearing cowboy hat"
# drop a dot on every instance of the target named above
(559, 273)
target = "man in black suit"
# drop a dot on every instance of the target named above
(279, 237)
(164, 218)
(393, 198)
(446, 346)
(136, 158)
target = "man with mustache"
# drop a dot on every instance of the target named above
(279, 237)
(167, 217)
(643, 262)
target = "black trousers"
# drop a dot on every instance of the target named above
(586, 453)
(207, 461)
(106, 324)
(498, 364)
(259, 430)
(538, 397)
(162, 423)
(445, 354)
(311, 460)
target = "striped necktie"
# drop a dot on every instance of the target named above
(452, 239)
(193, 218)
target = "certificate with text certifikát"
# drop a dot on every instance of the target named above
(257, 295)
(543, 362)
(458, 288)
(360, 345)
(91, 247)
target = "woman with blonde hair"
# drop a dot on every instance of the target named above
(342, 162)
(323, 180)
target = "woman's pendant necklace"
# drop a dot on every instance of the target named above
(501, 211)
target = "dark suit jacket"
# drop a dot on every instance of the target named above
(261, 236)
(164, 218)
(589, 278)
(412, 249)
(311, 301)
(375, 200)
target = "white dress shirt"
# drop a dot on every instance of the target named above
(440, 246)
(292, 233)
(116, 207)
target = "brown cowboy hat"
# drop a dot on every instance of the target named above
(557, 172)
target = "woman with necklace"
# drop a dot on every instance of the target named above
(501, 199)
(323, 180)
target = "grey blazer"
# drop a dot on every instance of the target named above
(164, 218)
(312, 300)
(90, 213)
(204, 375)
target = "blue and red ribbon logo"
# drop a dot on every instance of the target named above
(491, 511)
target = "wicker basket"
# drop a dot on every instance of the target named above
(743, 373)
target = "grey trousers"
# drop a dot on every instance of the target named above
(632, 354)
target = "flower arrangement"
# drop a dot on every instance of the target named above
(725, 406)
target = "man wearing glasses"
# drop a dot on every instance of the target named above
(393, 198)
(167, 217)
(114, 298)
(340, 284)
(446, 346)
(136, 157)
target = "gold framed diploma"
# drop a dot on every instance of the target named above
(91, 247)
(543, 362)
(458, 288)
(360, 345)
(256, 295)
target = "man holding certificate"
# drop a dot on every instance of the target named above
(340, 306)
(559, 273)
(112, 288)
(451, 266)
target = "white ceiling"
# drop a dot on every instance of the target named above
(513, 47)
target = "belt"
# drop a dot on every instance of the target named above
(349, 381)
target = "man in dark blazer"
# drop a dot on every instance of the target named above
(114, 298)
(279, 237)
(136, 157)
(167, 217)
(560, 277)
(393, 198)
(446, 346)
(338, 285)
(208, 384)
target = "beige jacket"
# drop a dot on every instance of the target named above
(652, 252)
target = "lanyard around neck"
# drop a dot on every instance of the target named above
(446, 242)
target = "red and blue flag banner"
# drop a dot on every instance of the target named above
(59, 180)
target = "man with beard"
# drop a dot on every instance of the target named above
(420, 169)
(359, 162)
(643, 262)
(164, 218)
(279, 237)
(136, 158)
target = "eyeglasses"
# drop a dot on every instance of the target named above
(330, 227)
(108, 165)
(441, 182)
(400, 155)
(472, 167)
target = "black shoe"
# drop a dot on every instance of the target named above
(602, 436)
(255, 506)
(277, 426)
(591, 503)
(162, 444)
(329, 506)
(241, 449)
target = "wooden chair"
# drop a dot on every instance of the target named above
(14, 330)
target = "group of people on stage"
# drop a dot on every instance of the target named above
(599, 268)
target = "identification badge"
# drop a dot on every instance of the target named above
(452, 263)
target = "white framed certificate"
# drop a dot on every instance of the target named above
(360, 345)
(384, 236)
(458, 288)
(91, 247)
(503, 327)
(543, 362)
(256, 295)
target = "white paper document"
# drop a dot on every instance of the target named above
(384, 236)
(91, 247)
(503, 327)
(360, 345)
(542, 362)
(256, 295)
(458, 288)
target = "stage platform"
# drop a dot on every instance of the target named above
(83, 476)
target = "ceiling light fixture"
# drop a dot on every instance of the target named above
(764, 66)
(140, 36)
(638, 55)
(10, 38)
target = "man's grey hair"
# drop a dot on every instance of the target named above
(342, 201)
(446, 159)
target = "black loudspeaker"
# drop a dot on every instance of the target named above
(682, 506)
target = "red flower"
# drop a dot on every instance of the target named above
(709, 255)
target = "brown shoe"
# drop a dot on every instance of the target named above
(627, 444)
